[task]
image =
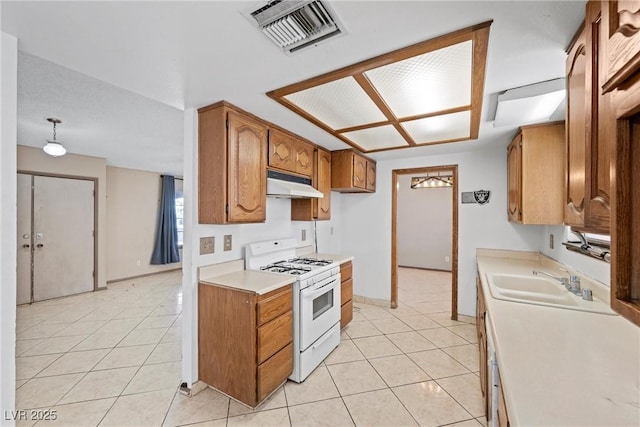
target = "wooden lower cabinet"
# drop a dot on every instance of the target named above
(346, 293)
(245, 345)
(482, 346)
(503, 415)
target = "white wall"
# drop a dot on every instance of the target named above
(278, 224)
(425, 221)
(8, 220)
(133, 200)
(591, 267)
(366, 228)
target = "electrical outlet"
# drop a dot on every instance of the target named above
(138, 263)
(446, 259)
(550, 241)
(227, 242)
(332, 231)
(304, 235)
(207, 245)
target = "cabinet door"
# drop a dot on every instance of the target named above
(598, 209)
(247, 190)
(322, 207)
(359, 172)
(578, 107)
(514, 178)
(304, 159)
(623, 58)
(282, 151)
(371, 176)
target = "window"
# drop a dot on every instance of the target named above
(180, 212)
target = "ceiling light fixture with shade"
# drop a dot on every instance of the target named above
(439, 180)
(54, 148)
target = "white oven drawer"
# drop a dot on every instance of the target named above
(317, 352)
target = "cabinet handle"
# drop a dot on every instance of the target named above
(26, 245)
(39, 245)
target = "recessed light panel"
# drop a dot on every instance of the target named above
(376, 138)
(439, 128)
(436, 81)
(426, 93)
(340, 104)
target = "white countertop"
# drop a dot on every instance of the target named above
(340, 259)
(561, 367)
(258, 282)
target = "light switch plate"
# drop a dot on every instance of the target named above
(207, 245)
(227, 242)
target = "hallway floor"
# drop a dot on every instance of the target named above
(112, 358)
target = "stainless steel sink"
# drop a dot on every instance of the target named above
(541, 291)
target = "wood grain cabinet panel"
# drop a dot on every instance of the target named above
(623, 42)
(590, 128)
(274, 304)
(232, 161)
(282, 151)
(576, 131)
(481, 312)
(244, 340)
(316, 209)
(535, 169)
(351, 172)
(274, 335)
(346, 293)
(304, 159)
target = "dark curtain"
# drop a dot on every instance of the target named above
(166, 248)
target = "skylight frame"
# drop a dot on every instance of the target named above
(477, 34)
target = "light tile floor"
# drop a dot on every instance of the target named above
(112, 358)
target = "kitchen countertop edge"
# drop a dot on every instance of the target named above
(567, 345)
(258, 282)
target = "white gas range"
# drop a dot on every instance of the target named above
(316, 300)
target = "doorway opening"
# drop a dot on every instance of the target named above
(426, 172)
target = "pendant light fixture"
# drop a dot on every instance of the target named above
(53, 147)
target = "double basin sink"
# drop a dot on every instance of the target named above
(530, 289)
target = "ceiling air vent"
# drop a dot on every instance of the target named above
(294, 25)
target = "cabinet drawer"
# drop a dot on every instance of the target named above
(346, 270)
(274, 371)
(274, 304)
(346, 314)
(346, 292)
(274, 335)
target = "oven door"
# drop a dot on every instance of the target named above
(319, 309)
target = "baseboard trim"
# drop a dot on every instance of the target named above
(423, 268)
(371, 301)
(143, 275)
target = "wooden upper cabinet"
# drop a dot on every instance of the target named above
(304, 158)
(590, 128)
(232, 162)
(623, 41)
(322, 207)
(282, 150)
(289, 153)
(514, 176)
(351, 172)
(603, 126)
(535, 169)
(578, 109)
(371, 176)
(316, 209)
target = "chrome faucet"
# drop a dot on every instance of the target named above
(563, 280)
(572, 284)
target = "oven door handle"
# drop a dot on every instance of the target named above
(319, 291)
(322, 340)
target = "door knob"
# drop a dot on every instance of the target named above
(26, 245)
(39, 245)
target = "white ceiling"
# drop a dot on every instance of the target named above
(184, 54)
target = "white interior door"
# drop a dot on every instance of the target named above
(63, 225)
(24, 240)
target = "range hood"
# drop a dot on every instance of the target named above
(290, 187)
